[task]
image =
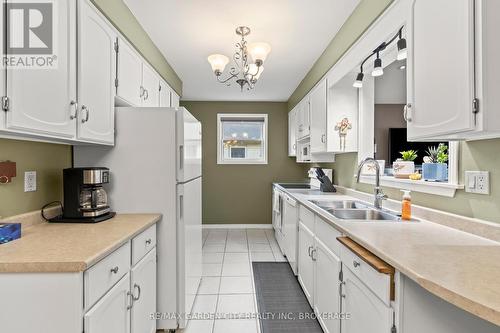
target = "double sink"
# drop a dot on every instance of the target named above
(355, 211)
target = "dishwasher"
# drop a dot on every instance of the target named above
(289, 231)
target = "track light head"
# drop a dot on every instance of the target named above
(402, 50)
(359, 80)
(378, 70)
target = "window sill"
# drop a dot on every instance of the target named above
(442, 189)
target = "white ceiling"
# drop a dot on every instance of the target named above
(187, 31)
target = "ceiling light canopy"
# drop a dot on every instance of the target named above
(244, 72)
(378, 69)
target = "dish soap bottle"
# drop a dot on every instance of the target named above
(406, 206)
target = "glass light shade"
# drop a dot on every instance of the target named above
(358, 84)
(255, 70)
(259, 51)
(402, 54)
(218, 62)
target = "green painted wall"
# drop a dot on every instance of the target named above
(241, 194)
(47, 160)
(365, 13)
(480, 155)
(123, 19)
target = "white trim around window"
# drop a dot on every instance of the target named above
(221, 117)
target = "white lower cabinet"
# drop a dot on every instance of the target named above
(143, 282)
(112, 313)
(367, 312)
(306, 264)
(326, 284)
(96, 76)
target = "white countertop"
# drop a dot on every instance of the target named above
(461, 268)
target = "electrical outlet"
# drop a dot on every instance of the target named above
(477, 182)
(30, 181)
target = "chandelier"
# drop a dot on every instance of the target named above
(244, 72)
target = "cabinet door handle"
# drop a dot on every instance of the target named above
(341, 294)
(141, 91)
(74, 104)
(407, 113)
(356, 263)
(313, 254)
(130, 297)
(138, 288)
(309, 250)
(294, 146)
(114, 270)
(146, 94)
(87, 113)
(323, 138)
(148, 241)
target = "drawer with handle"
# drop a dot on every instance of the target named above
(143, 243)
(377, 275)
(101, 277)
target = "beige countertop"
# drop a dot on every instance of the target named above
(459, 267)
(67, 247)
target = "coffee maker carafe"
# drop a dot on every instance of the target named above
(85, 199)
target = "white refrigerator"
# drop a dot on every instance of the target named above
(155, 167)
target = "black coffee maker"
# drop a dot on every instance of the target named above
(85, 199)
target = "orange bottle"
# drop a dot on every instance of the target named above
(406, 206)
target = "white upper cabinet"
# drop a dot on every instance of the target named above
(292, 132)
(441, 77)
(453, 89)
(96, 76)
(129, 74)
(150, 87)
(303, 118)
(175, 100)
(43, 101)
(318, 110)
(164, 94)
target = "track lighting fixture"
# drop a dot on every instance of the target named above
(378, 70)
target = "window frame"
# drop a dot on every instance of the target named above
(236, 117)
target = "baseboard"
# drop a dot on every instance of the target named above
(237, 226)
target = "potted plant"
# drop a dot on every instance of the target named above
(435, 167)
(405, 166)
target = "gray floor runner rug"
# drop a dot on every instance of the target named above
(281, 302)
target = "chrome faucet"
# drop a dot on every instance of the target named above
(379, 194)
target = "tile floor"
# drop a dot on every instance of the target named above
(226, 297)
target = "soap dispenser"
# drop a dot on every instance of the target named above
(406, 205)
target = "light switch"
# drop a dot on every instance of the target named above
(30, 181)
(477, 182)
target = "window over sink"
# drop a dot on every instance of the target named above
(241, 138)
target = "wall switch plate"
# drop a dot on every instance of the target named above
(477, 182)
(30, 181)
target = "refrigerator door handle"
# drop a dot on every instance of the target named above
(181, 206)
(181, 157)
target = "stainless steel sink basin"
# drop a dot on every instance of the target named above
(346, 204)
(363, 214)
(355, 211)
